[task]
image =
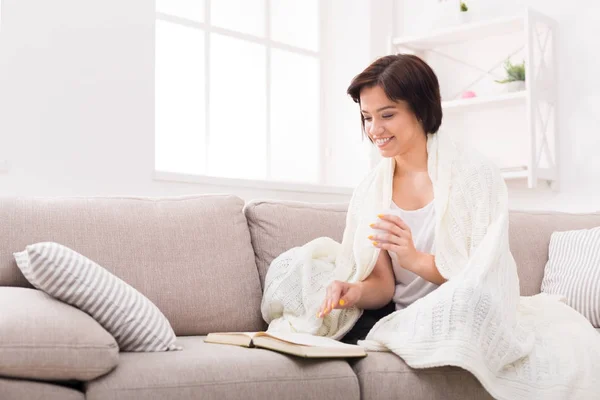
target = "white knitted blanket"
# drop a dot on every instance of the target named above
(517, 347)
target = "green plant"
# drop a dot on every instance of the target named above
(514, 72)
(463, 7)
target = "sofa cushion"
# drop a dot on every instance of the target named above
(573, 271)
(216, 371)
(133, 320)
(43, 338)
(530, 234)
(277, 226)
(191, 256)
(17, 389)
(386, 376)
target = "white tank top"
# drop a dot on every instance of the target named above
(409, 286)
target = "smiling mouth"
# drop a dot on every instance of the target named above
(383, 142)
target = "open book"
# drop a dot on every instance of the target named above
(298, 344)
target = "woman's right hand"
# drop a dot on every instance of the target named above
(340, 295)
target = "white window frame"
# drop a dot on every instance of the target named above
(269, 44)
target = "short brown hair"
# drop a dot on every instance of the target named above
(404, 77)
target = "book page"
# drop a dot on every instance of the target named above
(251, 335)
(236, 338)
(306, 339)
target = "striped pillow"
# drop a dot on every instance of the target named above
(573, 270)
(131, 318)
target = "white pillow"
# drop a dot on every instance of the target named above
(131, 318)
(573, 270)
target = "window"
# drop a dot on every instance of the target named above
(237, 89)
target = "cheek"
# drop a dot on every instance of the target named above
(399, 125)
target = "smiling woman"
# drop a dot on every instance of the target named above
(400, 104)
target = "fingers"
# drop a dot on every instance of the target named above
(389, 246)
(334, 295)
(396, 228)
(332, 298)
(350, 298)
(387, 238)
(323, 307)
(396, 220)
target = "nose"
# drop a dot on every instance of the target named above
(375, 128)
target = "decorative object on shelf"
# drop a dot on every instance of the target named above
(464, 14)
(515, 76)
(468, 94)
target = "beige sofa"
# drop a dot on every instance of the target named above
(202, 260)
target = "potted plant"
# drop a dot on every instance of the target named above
(515, 76)
(464, 14)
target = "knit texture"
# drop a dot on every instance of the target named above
(517, 347)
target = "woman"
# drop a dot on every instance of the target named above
(400, 103)
(517, 347)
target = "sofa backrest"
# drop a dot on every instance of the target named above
(191, 256)
(278, 226)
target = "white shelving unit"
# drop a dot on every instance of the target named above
(538, 102)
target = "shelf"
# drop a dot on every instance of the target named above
(462, 33)
(532, 112)
(516, 173)
(485, 101)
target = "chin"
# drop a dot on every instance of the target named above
(389, 153)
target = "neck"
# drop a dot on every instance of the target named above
(414, 160)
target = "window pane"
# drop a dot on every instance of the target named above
(246, 16)
(190, 9)
(237, 109)
(294, 117)
(296, 23)
(179, 99)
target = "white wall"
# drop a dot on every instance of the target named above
(77, 106)
(579, 96)
(77, 99)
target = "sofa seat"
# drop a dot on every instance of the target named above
(384, 375)
(17, 389)
(212, 371)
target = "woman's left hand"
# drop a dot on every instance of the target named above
(397, 239)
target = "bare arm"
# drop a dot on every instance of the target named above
(425, 267)
(378, 289)
(374, 292)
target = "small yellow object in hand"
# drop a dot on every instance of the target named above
(342, 302)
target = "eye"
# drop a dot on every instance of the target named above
(367, 118)
(387, 116)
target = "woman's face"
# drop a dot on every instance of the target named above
(390, 125)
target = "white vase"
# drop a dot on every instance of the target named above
(515, 86)
(464, 17)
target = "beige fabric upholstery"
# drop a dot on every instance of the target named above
(530, 237)
(212, 371)
(191, 256)
(16, 389)
(277, 226)
(385, 376)
(43, 338)
(134, 321)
